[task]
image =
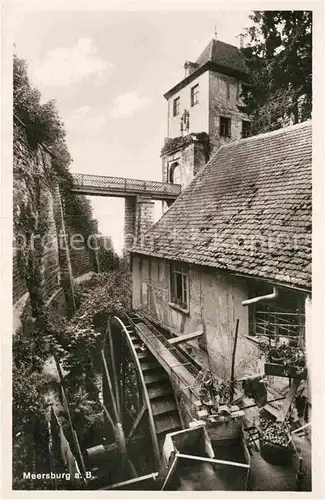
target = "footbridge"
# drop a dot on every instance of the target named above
(121, 187)
(139, 196)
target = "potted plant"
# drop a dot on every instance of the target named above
(290, 359)
(214, 393)
(275, 443)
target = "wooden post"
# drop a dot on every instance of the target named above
(73, 432)
(232, 378)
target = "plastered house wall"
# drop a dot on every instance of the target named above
(199, 114)
(215, 303)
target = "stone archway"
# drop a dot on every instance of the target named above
(175, 173)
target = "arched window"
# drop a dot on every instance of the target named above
(175, 174)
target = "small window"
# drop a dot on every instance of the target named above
(238, 91)
(225, 126)
(245, 130)
(179, 285)
(228, 90)
(176, 106)
(195, 95)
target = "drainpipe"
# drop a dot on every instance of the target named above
(254, 300)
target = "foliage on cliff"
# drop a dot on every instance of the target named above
(104, 295)
(279, 58)
(76, 344)
(43, 126)
(31, 346)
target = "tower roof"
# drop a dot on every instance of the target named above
(223, 54)
(218, 56)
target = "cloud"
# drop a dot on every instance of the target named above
(64, 66)
(85, 122)
(126, 105)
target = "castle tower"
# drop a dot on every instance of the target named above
(203, 111)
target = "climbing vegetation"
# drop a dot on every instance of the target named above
(278, 55)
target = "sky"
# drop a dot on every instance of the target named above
(108, 71)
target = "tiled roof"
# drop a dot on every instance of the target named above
(247, 211)
(223, 54)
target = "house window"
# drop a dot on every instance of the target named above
(176, 105)
(238, 91)
(225, 126)
(277, 323)
(283, 318)
(245, 131)
(228, 90)
(195, 95)
(179, 285)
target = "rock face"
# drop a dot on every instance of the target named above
(59, 261)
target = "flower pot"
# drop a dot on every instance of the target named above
(275, 357)
(297, 372)
(276, 454)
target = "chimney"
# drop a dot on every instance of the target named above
(190, 67)
(241, 40)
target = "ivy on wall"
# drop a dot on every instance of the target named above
(182, 141)
(35, 179)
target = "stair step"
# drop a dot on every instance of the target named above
(155, 375)
(133, 315)
(167, 422)
(159, 390)
(143, 355)
(149, 364)
(135, 319)
(163, 405)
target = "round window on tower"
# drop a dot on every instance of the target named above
(175, 174)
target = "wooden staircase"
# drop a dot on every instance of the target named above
(158, 386)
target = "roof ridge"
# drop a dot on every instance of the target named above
(271, 133)
(226, 43)
(211, 48)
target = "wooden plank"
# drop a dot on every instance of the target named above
(171, 469)
(213, 460)
(279, 370)
(284, 411)
(185, 338)
(168, 361)
(67, 407)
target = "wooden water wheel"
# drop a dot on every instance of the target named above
(139, 403)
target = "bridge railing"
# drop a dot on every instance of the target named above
(125, 184)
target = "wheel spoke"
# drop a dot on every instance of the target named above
(133, 469)
(110, 386)
(136, 423)
(108, 416)
(114, 371)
